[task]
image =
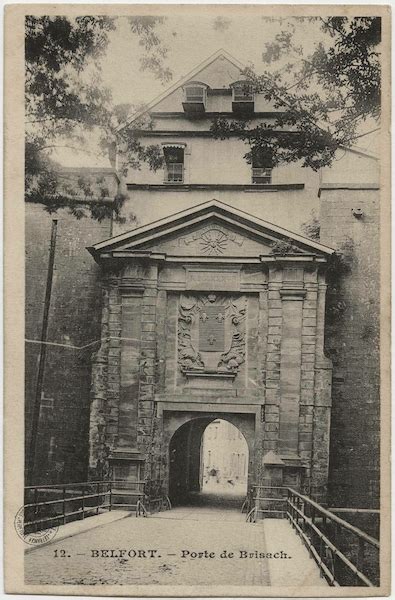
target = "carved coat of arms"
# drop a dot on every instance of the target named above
(211, 332)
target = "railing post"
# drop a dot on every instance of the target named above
(110, 499)
(64, 505)
(297, 506)
(83, 502)
(290, 507)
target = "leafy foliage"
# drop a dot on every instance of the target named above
(284, 247)
(311, 228)
(65, 100)
(156, 51)
(324, 99)
(340, 264)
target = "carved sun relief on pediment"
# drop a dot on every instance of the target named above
(212, 240)
(211, 332)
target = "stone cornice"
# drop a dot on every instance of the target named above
(194, 132)
(210, 260)
(214, 114)
(348, 186)
(188, 187)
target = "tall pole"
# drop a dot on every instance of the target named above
(41, 357)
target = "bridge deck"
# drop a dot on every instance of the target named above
(232, 552)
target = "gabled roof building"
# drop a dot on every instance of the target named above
(207, 301)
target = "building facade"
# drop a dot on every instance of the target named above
(210, 303)
(225, 450)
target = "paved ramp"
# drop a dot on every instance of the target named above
(196, 545)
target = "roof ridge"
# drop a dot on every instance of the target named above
(180, 82)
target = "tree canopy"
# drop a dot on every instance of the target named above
(327, 96)
(324, 97)
(66, 102)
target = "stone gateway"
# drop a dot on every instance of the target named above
(176, 355)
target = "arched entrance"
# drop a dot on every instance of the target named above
(189, 468)
(224, 459)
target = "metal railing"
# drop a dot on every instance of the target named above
(266, 500)
(128, 494)
(156, 497)
(49, 505)
(346, 555)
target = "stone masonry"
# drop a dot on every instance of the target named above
(352, 342)
(281, 378)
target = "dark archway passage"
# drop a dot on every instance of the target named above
(190, 480)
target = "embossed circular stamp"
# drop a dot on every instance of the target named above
(34, 538)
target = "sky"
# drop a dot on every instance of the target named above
(190, 41)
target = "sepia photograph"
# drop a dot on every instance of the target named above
(204, 245)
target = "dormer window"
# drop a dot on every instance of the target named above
(174, 163)
(195, 97)
(242, 97)
(195, 93)
(262, 166)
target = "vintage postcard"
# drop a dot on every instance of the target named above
(197, 300)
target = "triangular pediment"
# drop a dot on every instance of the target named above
(209, 230)
(212, 237)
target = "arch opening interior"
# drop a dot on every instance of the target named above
(224, 459)
(208, 460)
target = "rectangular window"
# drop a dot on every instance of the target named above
(243, 92)
(261, 167)
(194, 93)
(261, 175)
(174, 165)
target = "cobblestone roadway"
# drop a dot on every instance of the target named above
(170, 533)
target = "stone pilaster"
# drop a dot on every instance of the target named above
(145, 420)
(103, 428)
(292, 295)
(97, 423)
(114, 361)
(131, 301)
(261, 378)
(272, 387)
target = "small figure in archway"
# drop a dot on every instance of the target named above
(214, 473)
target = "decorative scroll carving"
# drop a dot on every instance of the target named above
(188, 357)
(199, 347)
(235, 356)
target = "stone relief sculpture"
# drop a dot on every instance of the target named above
(212, 240)
(235, 356)
(188, 357)
(194, 353)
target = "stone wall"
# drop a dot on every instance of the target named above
(350, 222)
(153, 359)
(74, 322)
